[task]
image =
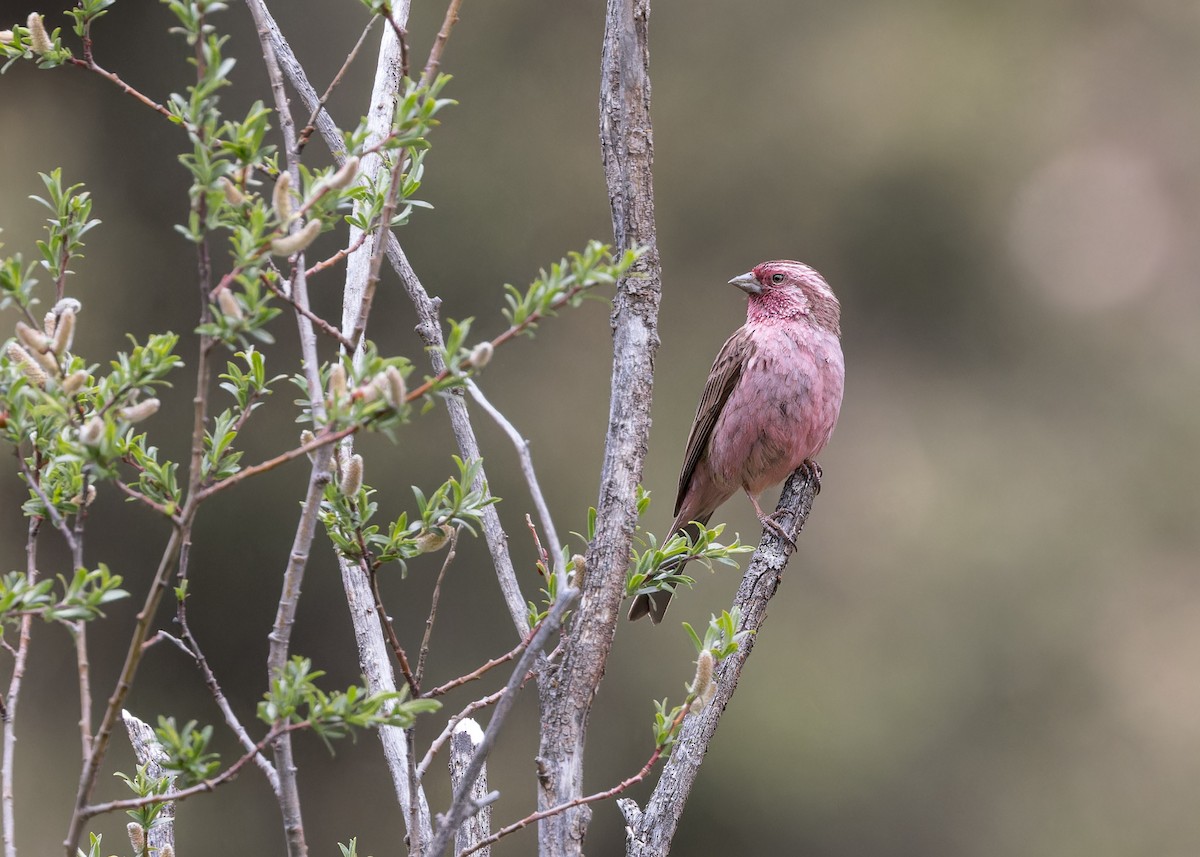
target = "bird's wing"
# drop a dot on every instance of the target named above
(722, 378)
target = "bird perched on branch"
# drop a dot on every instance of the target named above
(770, 403)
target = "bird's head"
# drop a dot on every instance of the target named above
(787, 289)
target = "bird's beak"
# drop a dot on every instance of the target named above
(748, 283)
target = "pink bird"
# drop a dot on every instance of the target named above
(770, 403)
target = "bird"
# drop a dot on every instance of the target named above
(769, 406)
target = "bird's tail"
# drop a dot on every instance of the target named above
(654, 604)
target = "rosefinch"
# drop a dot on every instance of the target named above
(770, 403)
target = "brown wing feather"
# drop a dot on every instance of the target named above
(722, 378)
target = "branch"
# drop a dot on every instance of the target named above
(649, 833)
(433, 602)
(462, 804)
(149, 752)
(437, 743)
(439, 44)
(473, 833)
(535, 491)
(8, 761)
(627, 147)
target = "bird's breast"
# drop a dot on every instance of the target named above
(782, 410)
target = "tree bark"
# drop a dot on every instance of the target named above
(649, 833)
(626, 140)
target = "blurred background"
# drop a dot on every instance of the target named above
(989, 641)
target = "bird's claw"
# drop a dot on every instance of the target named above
(769, 523)
(812, 471)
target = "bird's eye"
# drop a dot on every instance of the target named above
(777, 278)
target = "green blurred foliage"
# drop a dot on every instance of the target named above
(988, 642)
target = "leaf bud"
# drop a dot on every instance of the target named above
(396, 391)
(307, 437)
(137, 836)
(33, 338)
(281, 198)
(233, 195)
(481, 354)
(64, 332)
(6, 37)
(337, 383)
(230, 308)
(291, 244)
(92, 432)
(74, 382)
(39, 39)
(143, 409)
(29, 367)
(352, 478)
(67, 304)
(345, 175)
(434, 540)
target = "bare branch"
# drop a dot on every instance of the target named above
(627, 146)
(474, 831)
(8, 761)
(433, 602)
(441, 739)
(535, 491)
(649, 833)
(439, 44)
(462, 803)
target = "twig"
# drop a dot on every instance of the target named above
(321, 441)
(51, 512)
(480, 671)
(320, 323)
(439, 44)
(388, 629)
(338, 256)
(433, 603)
(8, 761)
(649, 833)
(143, 499)
(462, 804)
(437, 743)
(124, 87)
(83, 671)
(92, 810)
(307, 131)
(535, 491)
(571, 804)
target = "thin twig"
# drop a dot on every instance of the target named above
(124, 87)
(307, 131)
(388, 629)
(461, 804)
(208, 785)
(83, 671)
(433, 603)
(322, 440)
(142, 498)
(8, 761)
(535, 491)
(439, 44)
(320, 323)
(480, 671)
(571, 804)
(338, 256)
(427, 759)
